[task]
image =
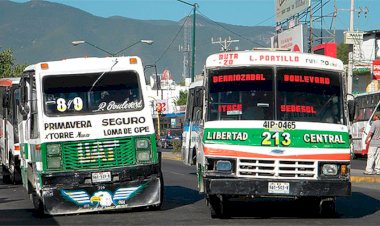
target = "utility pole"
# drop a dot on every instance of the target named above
(224, 44)
(350, 63)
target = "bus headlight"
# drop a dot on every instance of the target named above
(53, 149)
(143, 156)
(142, 143)
(224, 166)
(330, 169)
(54, 162)
(143, 150)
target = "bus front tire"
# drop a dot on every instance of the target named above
(38, 204)
(6, 175)
(219, 207)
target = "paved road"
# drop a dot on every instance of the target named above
(183, 205)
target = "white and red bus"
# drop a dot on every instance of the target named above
(271, 124)
(9, 140)
(366, 106)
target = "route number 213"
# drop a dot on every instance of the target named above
(274, 139)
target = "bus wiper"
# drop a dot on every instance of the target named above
(101, 76)
(263, 105)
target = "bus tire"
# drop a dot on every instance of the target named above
(193, 157)
(6, 175)
(219, 207)
(327, 208)
(38, 204)
(15, 176)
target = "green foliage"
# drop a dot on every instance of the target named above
(7, 67)
(182, 98)
(176, 145)
(342, 52)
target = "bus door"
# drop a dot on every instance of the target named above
(3, 124)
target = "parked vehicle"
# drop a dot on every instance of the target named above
(166, 140)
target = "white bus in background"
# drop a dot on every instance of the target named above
(9, 139)
(270, 124)
(193, 117)
(366, 106)
(87, 137)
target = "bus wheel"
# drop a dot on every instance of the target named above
(6, 175)
(327, 207)
(37, 203)
(219, 207)
(15, 173)
(194, 157)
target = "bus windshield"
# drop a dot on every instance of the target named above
(309, 95)
(364, 106)
(92, 93)
(300, 95)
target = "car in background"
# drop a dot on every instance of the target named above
(166, 140)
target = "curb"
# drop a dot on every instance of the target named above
(354, 179)
(171, 156)
(365, 179)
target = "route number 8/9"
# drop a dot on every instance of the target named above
(62, 106)
(275, 139)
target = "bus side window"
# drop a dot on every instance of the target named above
(34, 133)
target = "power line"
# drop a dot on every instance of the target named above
(233, 32)
(175, 37)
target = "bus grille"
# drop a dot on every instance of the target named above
(261, 168)
(95, 154)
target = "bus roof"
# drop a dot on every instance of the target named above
(86, 65)
(9, 81)
(273, 58)
(196, 84)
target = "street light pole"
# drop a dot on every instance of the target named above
(149, 42)
(195, 5)
(75, 43)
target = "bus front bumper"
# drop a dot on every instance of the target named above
(74, 192)
(290, 188)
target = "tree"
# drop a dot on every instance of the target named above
(342, 52)
(182, 98)
(7, 66)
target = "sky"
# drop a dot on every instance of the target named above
(236, 12)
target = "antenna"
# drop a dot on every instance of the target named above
(225, 44)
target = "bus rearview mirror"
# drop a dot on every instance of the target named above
(351, 110)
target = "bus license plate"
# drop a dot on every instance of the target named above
(101, 177)
(278, 188)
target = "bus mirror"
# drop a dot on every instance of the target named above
(24, 110)
(5, 101)
(351, 110)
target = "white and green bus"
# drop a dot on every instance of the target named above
(272, 124)
(87, 137)
(9, 141)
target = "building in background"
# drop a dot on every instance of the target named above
(364, 55)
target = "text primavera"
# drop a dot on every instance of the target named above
(67, 125)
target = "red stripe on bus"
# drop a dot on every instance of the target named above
(5, 82)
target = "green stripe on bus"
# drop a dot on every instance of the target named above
(286, 138)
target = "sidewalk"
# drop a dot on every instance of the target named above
(357, 175)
